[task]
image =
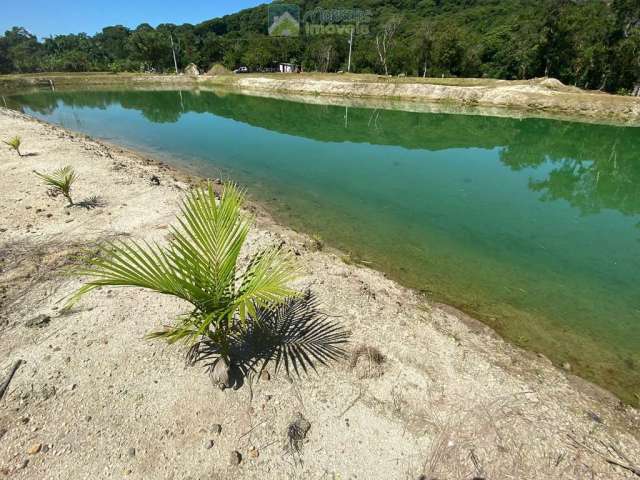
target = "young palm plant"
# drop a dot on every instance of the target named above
(60, 181)
(200, 265)
(15, 143)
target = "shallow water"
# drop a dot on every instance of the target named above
(531, 225)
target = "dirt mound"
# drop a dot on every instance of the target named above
(192, 70)
(218, 69)
(551, 83)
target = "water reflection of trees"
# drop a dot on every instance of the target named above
(593, 167)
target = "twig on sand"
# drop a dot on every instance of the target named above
(635, 471)
(477, 465)
(7, 381)
(353, 402)
(608, 459)
(252, 429)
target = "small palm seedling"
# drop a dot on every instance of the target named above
(15, 143)
(200, 265)
(60, 182)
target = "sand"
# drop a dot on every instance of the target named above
(94, 399)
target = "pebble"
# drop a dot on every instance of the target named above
(235, 458)
(35, 448)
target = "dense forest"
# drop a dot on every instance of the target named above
(593, 44)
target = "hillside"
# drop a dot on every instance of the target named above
(589, 43)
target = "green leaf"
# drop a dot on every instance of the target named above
(199, 265)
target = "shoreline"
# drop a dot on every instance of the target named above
(538, 98)
(437, 346)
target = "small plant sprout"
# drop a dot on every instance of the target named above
(60, 182)
(15, 144)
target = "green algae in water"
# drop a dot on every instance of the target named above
(532, 226)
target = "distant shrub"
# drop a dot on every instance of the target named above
(218, 69)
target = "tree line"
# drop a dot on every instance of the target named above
(592, 44)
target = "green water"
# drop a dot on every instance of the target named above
(529, 225)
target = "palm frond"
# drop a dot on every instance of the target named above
(265, 281)
(14, 143)
(60, 180)
(135, 264)
(209, 238)
(198, 265)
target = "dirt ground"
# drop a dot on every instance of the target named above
(426, 392)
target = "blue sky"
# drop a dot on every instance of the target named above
(51, 17)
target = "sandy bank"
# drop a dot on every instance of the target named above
(537, 97)
(546, 98)
(450, 401)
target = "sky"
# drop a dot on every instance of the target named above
(46, 17)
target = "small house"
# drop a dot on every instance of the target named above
(288, 68)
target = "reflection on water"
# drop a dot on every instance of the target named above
(530, 225)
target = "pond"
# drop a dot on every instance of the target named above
(530, 225)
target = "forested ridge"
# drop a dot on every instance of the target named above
(593, 44)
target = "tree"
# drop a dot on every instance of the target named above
(385, 40)
(211, 50)
(112, 41)
(627, 15)
(6, 65)
(423, 46)
(23, 50)
(150, 47)
(449, 50)
(257, 54)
